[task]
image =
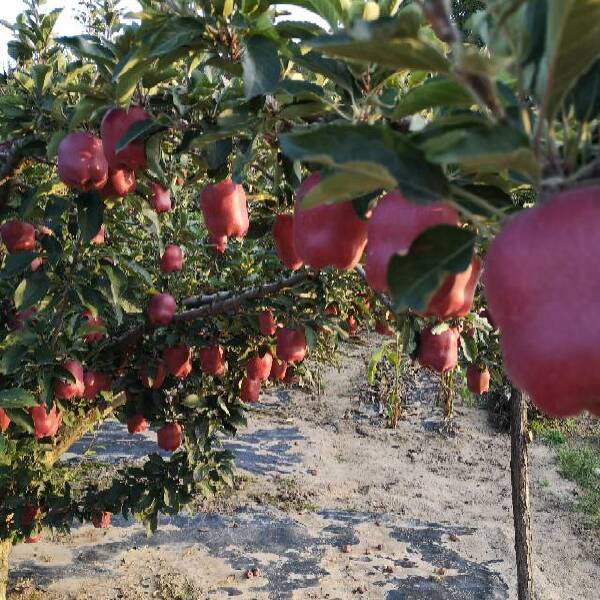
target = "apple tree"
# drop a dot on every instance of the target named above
(193, 202)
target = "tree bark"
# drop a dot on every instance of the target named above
(5, 548)
(519, 472)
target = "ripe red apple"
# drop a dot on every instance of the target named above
(98, 239)
(225, 209)
(329, 234)
(4, 420)
(115, 125)
(36, 263)
(478, 379)
(169, 437)
(267, 323)
(439, 352)
(259, 367)
(172, 259)
(137, 424)
(101, 520)
(455, 297)
(212, 361)
(160, 199)
(218, 243)
(250, 390)
(161, 309)
(178, 361)
(65, 390)
(393, 227)
(21, 316)
(332, 309)
(95, 383)
(18, 236)
(283, 234)
(352, 325)
(29, 514)
(153, 383)
(278, 370)
(382, 328)
(96, 325)
(45, 424)
(81, 162)
(542, 291)
(120, 182)
(291, 344)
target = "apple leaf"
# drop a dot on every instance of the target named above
(261, 66)
(90, 213)
(368, 158)
(16, 398)
(31, 290)
(17, 263)
(415, 277)
(140, 130)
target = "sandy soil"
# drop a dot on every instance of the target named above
(333, 505)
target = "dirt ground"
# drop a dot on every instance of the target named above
(333, 505)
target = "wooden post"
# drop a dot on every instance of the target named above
(519, 472)
(5, 548)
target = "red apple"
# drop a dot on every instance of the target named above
(18, 236)
(455, 297)
(329, 234)
(478, 379)
(439, 352)
(29, 514)
(212, 360)
(218, 243)
(36, 263)
(160, 199)
(120, 182)
(95, 383)
(283, 234)
(101, 520)
(250, 390)
(382, 328)
(115, 124)
(352, 325)
(172, 259)
(137, 424)
(45, 424)
(81, 162)
(393, 227)
(332, 310)
(291, 344)
(169, 437)
(96, 326)
(278, 370)
(178, 361)
(225, 209)
(65, 390)
(542, 290)
(98, 239)
(153, 381)
(21, 316)
(161, 309)
(259, 367)
(267, 323)
(4, 420)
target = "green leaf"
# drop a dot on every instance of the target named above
(179, 32)
(434, 93)
(261, 67)
(42, 76)
(90, 214)
(12, 357)
(21, 419)
(330, 10)
(140, 130)
(17, 398)
(31, 290)
(392, 43)
(17, 263)
(370, 157)
(84, 109)
(88, 46)
(482, 148)
(154, 156)
(586, 95)
(415, 277)
(572, 45)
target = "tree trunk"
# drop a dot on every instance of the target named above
(5, 548)
(519, 471)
